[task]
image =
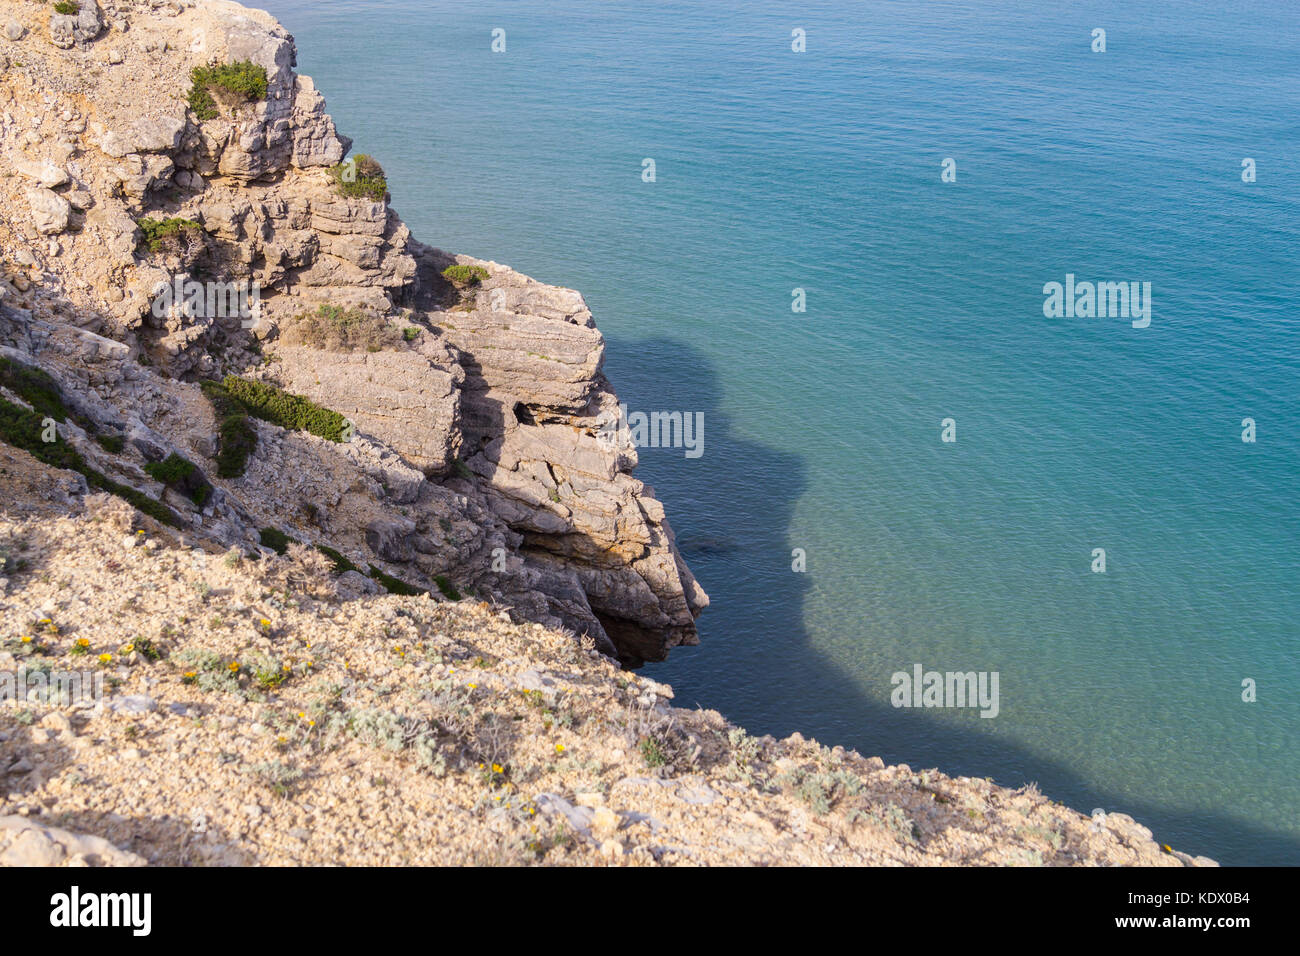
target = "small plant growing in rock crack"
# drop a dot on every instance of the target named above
(145, 648)
(68, 8)
(269, 673)
(277, 777)
(652, 753)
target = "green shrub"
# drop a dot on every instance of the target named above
(289, 411)
(393, 585)
(160, 234)
(276, 540)
(361, 177)
(335, 329)
(446, 588)
(68, 8)
(236, 434)
(341, 563)
(462, 277)
(411, 332)
(171, 470)
(34, 386)
(177, 472)
(243, 80)
(111, 443)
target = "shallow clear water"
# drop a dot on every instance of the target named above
(821, 170)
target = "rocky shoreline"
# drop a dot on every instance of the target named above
(246, 417)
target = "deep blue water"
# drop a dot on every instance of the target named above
(820, 170)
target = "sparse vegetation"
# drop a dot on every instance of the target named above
(335, 329)
(241, 82)
(25, 429)
(69, 8)
(276, 776)
(652, 753)
(822, 790)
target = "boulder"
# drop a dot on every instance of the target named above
(50, 211)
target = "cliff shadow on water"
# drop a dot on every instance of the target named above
(732, 509)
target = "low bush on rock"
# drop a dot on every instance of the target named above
(177, 472)
(243, 81)
(361, 177)
(236, 434)
(282, 408)
(463, 277)
(34, 386)
(169, 235)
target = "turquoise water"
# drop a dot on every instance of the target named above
(821, 170)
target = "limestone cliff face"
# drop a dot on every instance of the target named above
(475, 454)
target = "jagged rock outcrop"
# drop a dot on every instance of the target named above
(474, 460)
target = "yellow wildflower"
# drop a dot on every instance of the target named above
(559, 748)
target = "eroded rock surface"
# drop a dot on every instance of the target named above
(473, 462)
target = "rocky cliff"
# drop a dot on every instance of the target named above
(330, 523)
(473, 455)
